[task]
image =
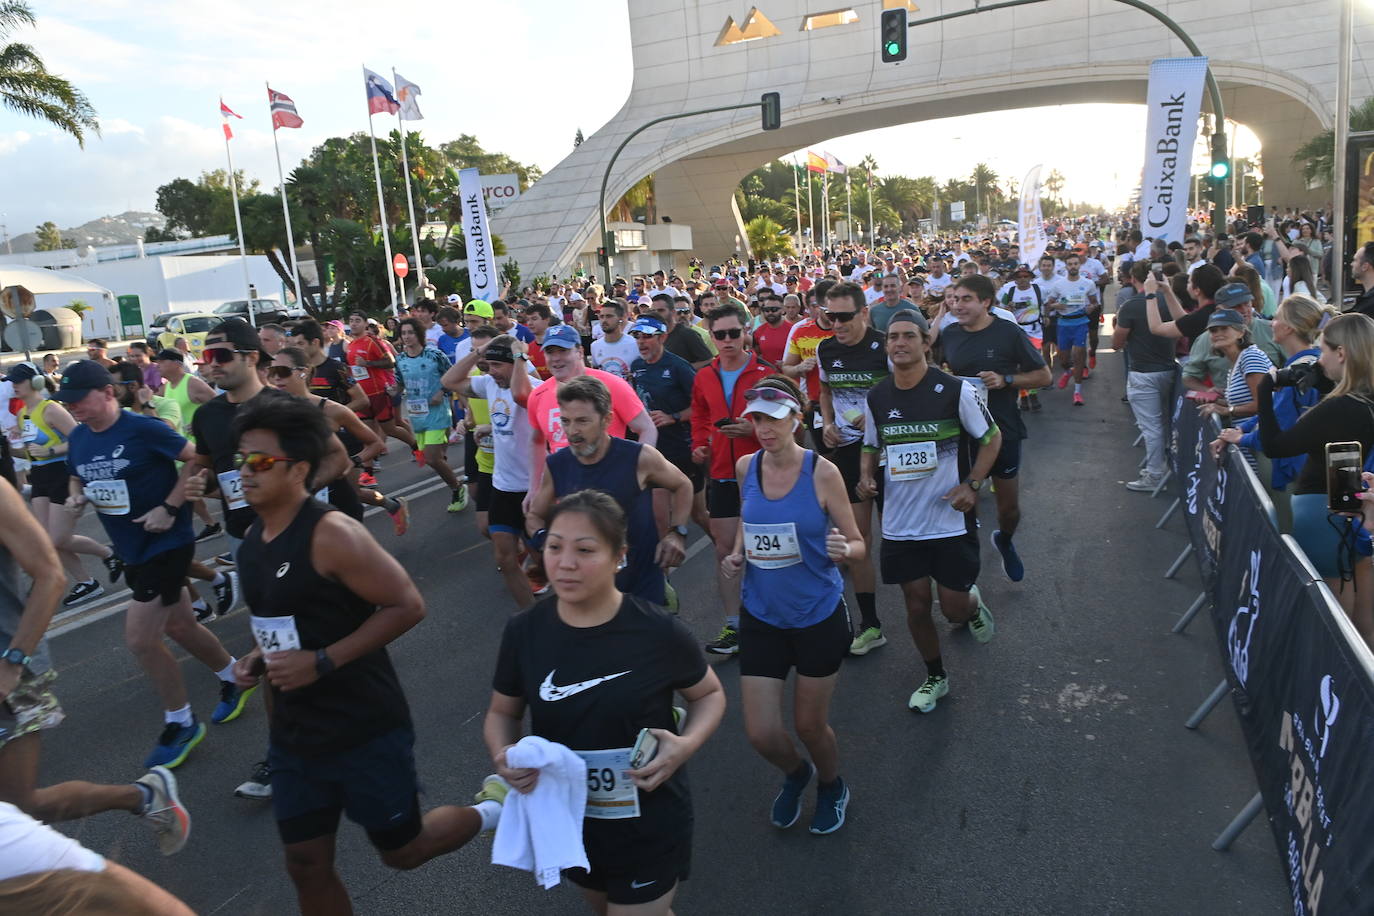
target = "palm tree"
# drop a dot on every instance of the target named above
(639, 197)
(27, 87)
(1317, 156)
(984, 181)
(767, 239)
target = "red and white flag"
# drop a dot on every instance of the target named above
(226, 112)
(283, 109)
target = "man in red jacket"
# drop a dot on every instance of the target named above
(720, 437)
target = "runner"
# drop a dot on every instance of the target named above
(419, 369)
(795, 525)
(329, 378)
(770, 336)
(940, 443)
(663, 382)
(799, 362)
(595, 667)
(614, 351)
(996, 359)
(369, 364)
(1073, 297)
(125, 465)
(341, 735)
(850, 363)
(1024, 298)
(1049, 319)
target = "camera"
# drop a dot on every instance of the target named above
(1304, 375)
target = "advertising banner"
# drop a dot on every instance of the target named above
(1030, 222)
(482, 271)
(1203, 481)
(499, 190)
(1173, 101)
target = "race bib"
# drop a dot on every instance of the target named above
(771, 546)
(275, 634)
(231, 486)
(360, 372)
(611, 794)
(911, 461)
(980, 388)
(29, 433)
(417, 407)
(110, 497)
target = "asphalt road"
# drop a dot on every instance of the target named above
(1057, 777)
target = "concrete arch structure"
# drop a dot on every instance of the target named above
(1277, 74)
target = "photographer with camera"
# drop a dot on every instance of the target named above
(1335, 545)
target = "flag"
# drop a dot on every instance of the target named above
(226, 112)
(407, 93)
(814, 163)
(379, 94)
(834, 165)
(283, 109)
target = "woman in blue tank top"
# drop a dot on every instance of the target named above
(795, 524)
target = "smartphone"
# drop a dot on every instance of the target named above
(724, 421)
(1157, 268)
(646, 746)
(1343, 465)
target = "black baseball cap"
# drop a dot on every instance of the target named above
(170, 353)
(238, 332)
(80, 379)
(21, 373)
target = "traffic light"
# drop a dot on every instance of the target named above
(772, 111)
(893, 30)
(601, 257)
(1221, 163)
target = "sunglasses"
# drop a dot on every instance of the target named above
(220, 355)
(770, 394)
(841, 317)
(771, 308)
(282, 371)
(260, 462)
(730, 333)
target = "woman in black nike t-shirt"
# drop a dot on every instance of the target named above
(594, 667)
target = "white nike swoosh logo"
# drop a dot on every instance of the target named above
(550, 692)
(638, 884)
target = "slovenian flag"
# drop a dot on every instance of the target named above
(283, 109)
(226, 112)
(834, 165)
(380, 97)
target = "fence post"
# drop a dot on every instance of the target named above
(1209, 704)
(1169, 512)
(1178, 564)
(1239, 823)
(1189, 614)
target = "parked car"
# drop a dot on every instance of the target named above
(191, 325)
(263, 309)
(157, 326)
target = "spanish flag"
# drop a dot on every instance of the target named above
(815, 162)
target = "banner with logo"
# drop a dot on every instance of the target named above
(1173, 102)
(499, 190)
(1030, 222)
(482, 270)
(1203, 481)
(956, 211)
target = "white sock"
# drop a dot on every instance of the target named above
(180, 716)
(227, 673)
(1077, 387)
(218, 580)
(199, 604)
(490, 812)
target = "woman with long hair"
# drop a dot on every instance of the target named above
(1298, 280)
(1262, 294)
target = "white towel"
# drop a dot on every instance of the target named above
(542, 831)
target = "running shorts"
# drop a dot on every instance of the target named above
(815, 651)
(722, 498)
(505, 513)
(1072, 335)
(643, 883)
(162, 576)
(951, 562)
(49, 481)
(33, 705)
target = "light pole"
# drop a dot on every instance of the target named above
(1338, 214)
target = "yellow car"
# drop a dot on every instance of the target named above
(191, 325)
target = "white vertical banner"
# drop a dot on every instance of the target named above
(481, 259)
(1173, 100)
(1030, 222)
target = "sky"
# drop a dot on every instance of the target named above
(155, 70)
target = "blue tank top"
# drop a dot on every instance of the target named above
(617, 474)
(789, 581)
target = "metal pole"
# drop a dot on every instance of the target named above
(286, 214)
(381, 211)
(238, 224)
(848, 209)
(796, 199)
(825, 206)
(1209, 704)
(606, 176)
(872, 235)
(1338, 215)
(1242, 820)
(810, 208)
(410, 200)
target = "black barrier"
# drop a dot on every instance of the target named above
(1202, 480)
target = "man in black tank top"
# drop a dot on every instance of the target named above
(325, 601)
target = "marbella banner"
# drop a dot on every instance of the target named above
(1030, 228)
(1173, 102)
(482, 273)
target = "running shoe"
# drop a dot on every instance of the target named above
(419, 457)
(231, 702)
(980, 624)
(1011, 560)
(83, 591)
(175, 742)
(1023, 401)
(1087, 373)
(1092, 360)
(830, 805)
(1145, 484)
(1035, 401)
(164, 812)
(538, 584)
(460, 499)
(727, 643)
(259, 785)
(367, 479)
(1064, 380)
(202, 612)
(1077, 399)
(925, 697)
(226, 593)
(224, 559)
(787, 806)
(209, 531)
(869, 638)
(401, 517)
(114, 566)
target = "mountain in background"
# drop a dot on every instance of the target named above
(124, 229)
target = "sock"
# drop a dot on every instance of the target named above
(1077, 387)
(732, 622)
(227, 672)
(935, 667)
(90, 581)
(868, 610)
(490, 813)
(218, 580)
(147, 794)
(180, 716)
(390, 504)
(199, 603)
(831, 786)
(801, 775)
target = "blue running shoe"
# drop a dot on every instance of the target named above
(231, 701)
(1011, 561)
(830, 805)
(175, 743)
(787, 806)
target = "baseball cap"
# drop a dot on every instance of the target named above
(498, 353)
(454, 299)
(478, 307)
(647, 325)
(80, 379)
(721, 284)
(1023, 269)
(1226, 318)
(169, 353)
(771, 402)
(21, 373)
(1232, 295)
(910, 315)
(241, 334)
(561, 335)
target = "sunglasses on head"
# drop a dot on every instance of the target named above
(770, 394)
(841, 317)
(221, 355)
(259, 462)
(730, 333)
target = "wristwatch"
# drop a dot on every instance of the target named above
(15, 656)
(1009, 379)
(974, 485)
(323, 663)
(680, 529)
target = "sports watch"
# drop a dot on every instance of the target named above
(323, 663)
(16, 656)
(680, 529)
(974, 485)
(1009, 379)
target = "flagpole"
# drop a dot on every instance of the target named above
(848, 208)
(825, 207)
(285, 210)
(410, 199)
(381, 208)
(872, 234)
(238, 225)
(796, 198)
(810, 207)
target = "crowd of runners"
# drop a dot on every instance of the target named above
(775, 409)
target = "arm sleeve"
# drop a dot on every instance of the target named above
(198, 432)
(506, 680)
(1124, 317)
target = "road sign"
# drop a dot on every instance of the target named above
(16, 302)
(23, 334)
(400, 265)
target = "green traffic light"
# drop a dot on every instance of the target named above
(893, 47)
(1220, 169)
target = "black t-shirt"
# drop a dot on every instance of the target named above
(352, 704)
(594, 688)
(850, 372)
(212, 428)
(1148, 352)
(682, 341)
(1194, 324)
(1001, 347)
(332, 380)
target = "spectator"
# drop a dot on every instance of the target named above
(1150, 377)
(1203, 283)
(97, 349)
(1362, 269)
(1260, 291)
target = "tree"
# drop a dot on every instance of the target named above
(767, 239)
(154, 234)
(28, 88)
(1317, 157)
(49, 238)
(984, 182)
(639, 199)
(577, 140)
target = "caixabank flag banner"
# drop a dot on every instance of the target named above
(1203, 482)
(1305, 701)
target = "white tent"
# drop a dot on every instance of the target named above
(56, 288)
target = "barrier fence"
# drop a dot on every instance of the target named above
(1300, 676)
